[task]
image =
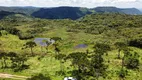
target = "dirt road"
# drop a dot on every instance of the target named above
(4, 75)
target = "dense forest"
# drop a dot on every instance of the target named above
(98, 46)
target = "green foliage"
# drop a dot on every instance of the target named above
(102, 33)
(120, 46)
(131, 59)
(101, 48)
(25, 36)
(10, 30)
(81, 62)
(0, 34)
(40, 77)
(31, 45)
(97, 61)
(56, 38)
(123, 73)
(89, 66)
(136, 42)
(4, 58)
(78, 58)
(17, 62)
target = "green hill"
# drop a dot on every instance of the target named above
(25, 10)
(61, 13)
(18, 17)
(66, 12)
(5, 13)
(100, 46)
(132, 11)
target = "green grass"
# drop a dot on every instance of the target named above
(57, 28)
(50, 65)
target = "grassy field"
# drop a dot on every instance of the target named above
(46, 63)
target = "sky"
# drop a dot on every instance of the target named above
(75, 3)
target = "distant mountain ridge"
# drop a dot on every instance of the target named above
(132, 11)
(62, 13)
(140, 9)
(107, 10)
(5, 13)
(65, 11)
(26, 10)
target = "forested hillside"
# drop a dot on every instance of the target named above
(66, 12)
(62, 13)
(5, 13)
(25, 10)
(102, 46)
(132, 11)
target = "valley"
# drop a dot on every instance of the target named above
(102, 46)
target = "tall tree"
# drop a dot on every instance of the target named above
(48, 43)
(120, 46)
(30, 45)
(61, 58)
(97, 62)
(80, 63)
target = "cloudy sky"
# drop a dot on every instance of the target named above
(80, 3)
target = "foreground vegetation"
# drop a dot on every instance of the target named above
(113, 47)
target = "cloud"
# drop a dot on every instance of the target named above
(54, 3)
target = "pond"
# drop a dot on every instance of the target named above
(42, 41)
(81, 46)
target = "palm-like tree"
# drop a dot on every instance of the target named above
(30, 45)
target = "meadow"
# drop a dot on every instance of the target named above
(105, 35)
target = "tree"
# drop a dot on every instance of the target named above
(17, 61)
(80, 63)
(102, 48)
(131, 59)
(120, 46)
(97, 62)
(87, 66)
(57, 50)
(61, 58)
(3, 57)
(56, 38)
(12, 56)
(47, 44)
(30, 45)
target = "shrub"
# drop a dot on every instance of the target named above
(136, 42)
(24, 36)
(131, 60)
(39, 77)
